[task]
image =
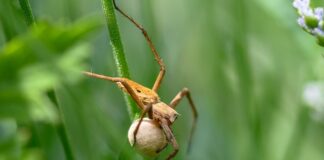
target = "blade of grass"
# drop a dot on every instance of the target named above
(61, 129)
(25, 6)
(294, 147)
(10, 20)
(118, 51)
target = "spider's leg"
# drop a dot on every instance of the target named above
(123, 81)
(168, 132)
(186, 93)
(150, 43)
(99, 76)
(144, 111)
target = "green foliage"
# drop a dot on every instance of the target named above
(11, 20)
(33, 64)
(245, 62)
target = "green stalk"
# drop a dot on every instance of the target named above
(25, 6)
(61, 128)
(118, 51)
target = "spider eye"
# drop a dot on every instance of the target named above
(138, 91)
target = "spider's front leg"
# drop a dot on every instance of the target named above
(123, 81)
(186, 93)
(157, 57)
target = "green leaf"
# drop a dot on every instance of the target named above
(34, 63)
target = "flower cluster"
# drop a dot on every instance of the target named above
(311, 19)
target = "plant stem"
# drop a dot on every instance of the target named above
(25, 6)
(62, 132)
(118, 51)
(61, 127)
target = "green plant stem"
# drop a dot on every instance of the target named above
(61, 130)
(118, 51)
(25, 6)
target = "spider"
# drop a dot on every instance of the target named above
(148, 100)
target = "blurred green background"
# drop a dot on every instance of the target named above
(246, 63)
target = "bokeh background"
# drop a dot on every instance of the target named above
(255, 76)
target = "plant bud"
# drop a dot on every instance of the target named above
(150, 138)
(311, 21)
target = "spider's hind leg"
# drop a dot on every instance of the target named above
(186, 93)
(168, 132)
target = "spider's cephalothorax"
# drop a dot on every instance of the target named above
(145, 95)
(148, 100)
(163, 111)
(148, 97)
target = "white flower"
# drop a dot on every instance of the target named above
(318, 32)
(301, 22)
(311, 20)
(314, 97)
(318, 13)
(303, 7)
(301, 3)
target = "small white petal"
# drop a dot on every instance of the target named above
(303, 7)
(298, 4)
(319, 12)
(306, 12)
(318, 32)
(301, 22)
